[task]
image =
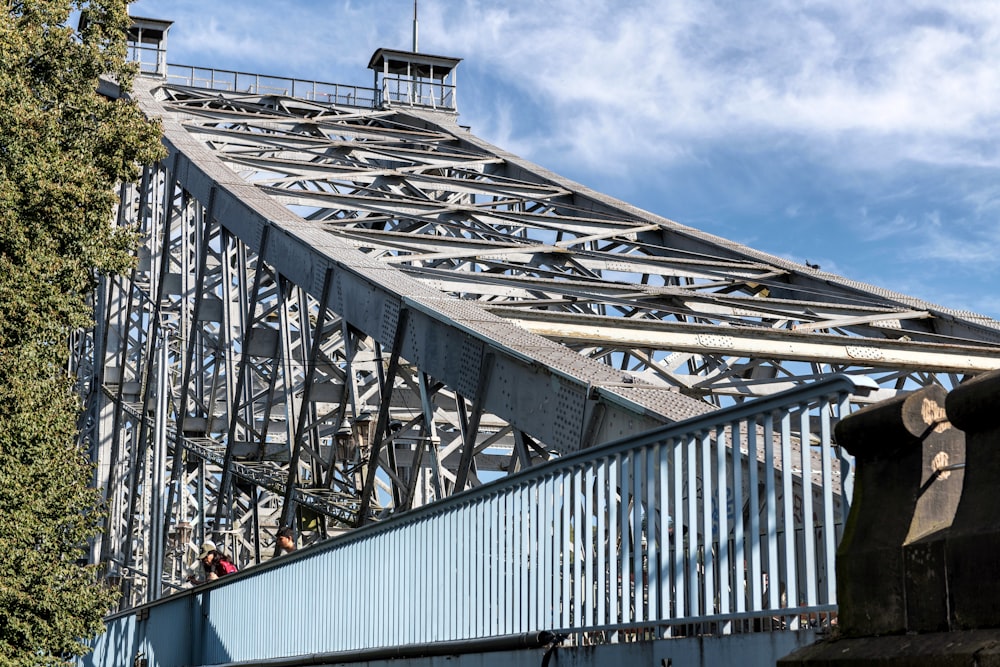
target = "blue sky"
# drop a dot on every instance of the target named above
(859, 136)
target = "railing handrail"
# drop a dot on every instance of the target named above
(293, 85)
(439, 95)
(642, 538)
(802, 395)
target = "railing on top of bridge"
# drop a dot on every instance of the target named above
(396, 90)
(417, 92)
(150, 59)
(670, 533)
(263, 84)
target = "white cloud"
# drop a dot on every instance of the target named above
(968, 245)
(658, 82)
(965, 247)
(744, 115)
(329, 41)
(917, 78)
(874, 228)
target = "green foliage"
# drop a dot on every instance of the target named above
(63, 150)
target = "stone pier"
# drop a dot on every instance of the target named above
(918, 570)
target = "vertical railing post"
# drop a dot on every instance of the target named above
(829, 527)
(808, 527)
(739, 562)
(788, 515)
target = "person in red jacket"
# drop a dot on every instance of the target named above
(214, 563)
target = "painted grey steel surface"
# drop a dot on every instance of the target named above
(630, 541)
(350, 307)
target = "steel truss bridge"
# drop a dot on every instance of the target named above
(347, 306)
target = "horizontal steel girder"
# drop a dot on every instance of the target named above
(755, 342)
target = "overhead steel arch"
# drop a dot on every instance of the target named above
(342, 312)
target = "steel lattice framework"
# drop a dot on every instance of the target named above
(341, 312)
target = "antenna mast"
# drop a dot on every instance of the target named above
(414, 26)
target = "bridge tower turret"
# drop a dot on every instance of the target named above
(147, 44)
(415, 79)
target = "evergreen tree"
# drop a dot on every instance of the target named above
(63, 149)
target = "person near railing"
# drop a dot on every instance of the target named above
(285, 540)
(214, 564)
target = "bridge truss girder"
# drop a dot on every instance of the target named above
(338, 314)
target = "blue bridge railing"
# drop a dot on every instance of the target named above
(725, 523)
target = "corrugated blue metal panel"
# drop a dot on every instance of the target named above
(637, 532)
(117, 646)
(168, 632)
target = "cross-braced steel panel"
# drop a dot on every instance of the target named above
(706, 316)
(342, 313)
